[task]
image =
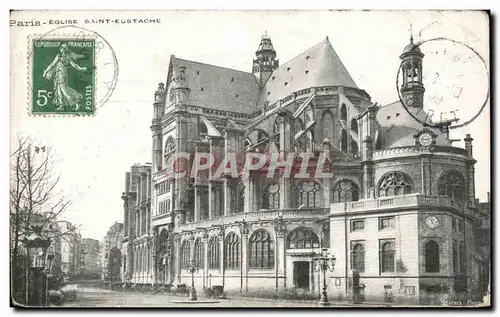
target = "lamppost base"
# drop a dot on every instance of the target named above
(324, 299)
(192, 294)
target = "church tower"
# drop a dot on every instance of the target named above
(159, 109)
(412, 89)
(266, 60)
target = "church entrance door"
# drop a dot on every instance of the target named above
(301, 274)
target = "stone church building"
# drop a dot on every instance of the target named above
(399, 208)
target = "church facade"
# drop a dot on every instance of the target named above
(397, 208)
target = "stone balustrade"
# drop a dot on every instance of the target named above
(395, 202)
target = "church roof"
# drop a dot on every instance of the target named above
(398, 127)
(318, 66)
(219, 87)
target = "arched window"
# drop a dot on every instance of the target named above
(232, 252)
(309, 194)
(237, 198)
(344, 191)
(199, 253)
(271, 199)
(214, 253)
(358, 257)
(394, 184)
(354, 147)
(343, 141)
(452, 184)
(343, 112)
(262, 136)
(169, 147)
(432, 257)
(261, 247)
(328, 126)
(185, 254)
(302, 238)
(387, 256)
(354, 125)
(297, 126)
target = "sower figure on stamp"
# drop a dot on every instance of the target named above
(64, 96)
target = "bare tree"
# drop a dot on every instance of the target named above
(34, 199)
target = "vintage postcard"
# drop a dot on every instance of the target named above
(250, 159)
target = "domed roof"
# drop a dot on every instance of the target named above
(412, 47)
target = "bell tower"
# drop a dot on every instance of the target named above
(412, 88)
(266, 60)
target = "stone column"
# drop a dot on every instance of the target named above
(197, 211)
(138, 222)
(248, 205)
(205, 255)
(227, 196)
(280, 229)
(244, 230)
(177, 259)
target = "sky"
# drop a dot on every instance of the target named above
(93, 153)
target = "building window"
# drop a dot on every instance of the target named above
(395, 184)
(261, 247)
(432, 257)
(460, 226)
(237, 198)
(345, 191)
(214, 253)
(199, 253)
(357, 225)
(358, 256)
(455, 256)
(232, 254)
(386, 222)
(271, 199)
(169, 148)
(452, 184)
(387, 250)
(302, 238)
(343, 112)
(453, 224)
(186, 253)
(309, 194)
(462, 257)
(343, 141)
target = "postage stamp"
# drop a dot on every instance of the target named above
(63, 76)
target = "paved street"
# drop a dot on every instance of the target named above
(96, 297)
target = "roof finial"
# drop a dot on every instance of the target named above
(411, 33)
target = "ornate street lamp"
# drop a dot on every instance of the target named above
(192, 268)
(324, 263)
(37, 245)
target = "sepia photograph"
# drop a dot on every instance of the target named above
(196, 158)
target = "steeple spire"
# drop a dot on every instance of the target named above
(266, 60)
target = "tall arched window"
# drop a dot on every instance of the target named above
(354, 147)
(358, 257)
(432, 257)
(354, 125)
(214, 253)
(343, 112)
(344, 191)
(328, 127)
(394, 184)
(387, 250)
(199, 253)
(185, 254)
(232, 251)
(237, 198)
(271, 199)
(452, 184)
(309, 194)
(169, 147)
(343, 141)
(261, 247)
(302, 238)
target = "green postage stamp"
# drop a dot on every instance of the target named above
(63, 76)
